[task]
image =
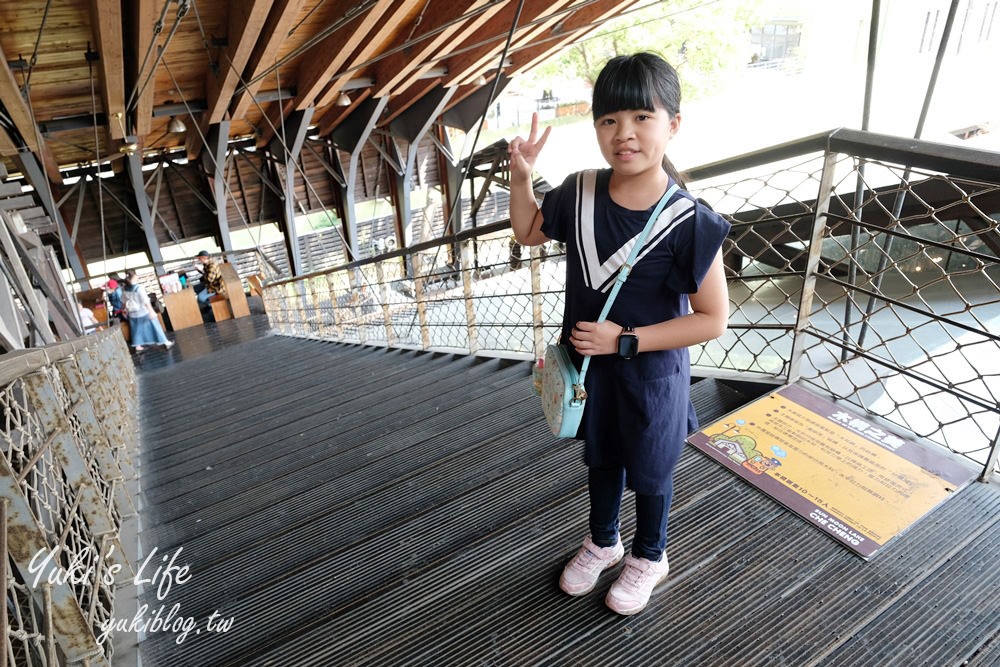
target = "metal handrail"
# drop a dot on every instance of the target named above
(800, 283)
(918, 153)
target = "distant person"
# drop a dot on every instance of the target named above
(211, 278)
(638, 410)
(114, 293)
(87, 318)
(145, 326)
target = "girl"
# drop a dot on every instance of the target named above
(142, 321)
(639, 411)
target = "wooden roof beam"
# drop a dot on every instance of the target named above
(571, 28)
(21, 116)
(402, 69)
(145, 14)
(106, 19)
(327, 58)
(536, 16)
(375, 42)
(246, 20)
(17, 109)
(280, 21)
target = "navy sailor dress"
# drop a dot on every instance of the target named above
(639, 410)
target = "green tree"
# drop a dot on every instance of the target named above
(704, 40)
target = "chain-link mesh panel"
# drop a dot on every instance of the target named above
(772, 210)
(906, 308)
(903, 295)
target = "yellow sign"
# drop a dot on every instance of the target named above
(855, 480)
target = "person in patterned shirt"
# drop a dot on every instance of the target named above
(211, 278)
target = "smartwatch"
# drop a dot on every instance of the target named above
(628, 343)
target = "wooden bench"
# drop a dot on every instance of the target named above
(221, 308)
(234, 291)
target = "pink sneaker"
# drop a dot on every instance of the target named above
(630, 594)
(580, 575)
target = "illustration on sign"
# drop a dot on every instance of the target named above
(853, 479)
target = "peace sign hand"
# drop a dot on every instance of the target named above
(524, 152)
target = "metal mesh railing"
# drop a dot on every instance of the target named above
(861, 265)
(866, 267)
(476, 293)
(69, 425)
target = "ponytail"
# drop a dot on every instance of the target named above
(672, 172)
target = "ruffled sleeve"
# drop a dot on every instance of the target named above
(694, 245)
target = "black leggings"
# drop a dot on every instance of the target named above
(606, 486)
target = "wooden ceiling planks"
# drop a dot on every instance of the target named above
(246, 20)
(383, 36)
(566, 30)
(148, 58)
(434, 30)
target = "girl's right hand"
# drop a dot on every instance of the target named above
(524, 152)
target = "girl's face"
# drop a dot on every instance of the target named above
(634, 141)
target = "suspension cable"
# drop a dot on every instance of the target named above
(182, 10)
(38, 41)
(97, 155)
(157, 29)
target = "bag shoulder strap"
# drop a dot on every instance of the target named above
(626, 267)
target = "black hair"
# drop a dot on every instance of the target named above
(639, 81)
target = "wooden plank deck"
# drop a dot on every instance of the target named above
(347, 505)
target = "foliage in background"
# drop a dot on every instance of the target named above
(705, 41)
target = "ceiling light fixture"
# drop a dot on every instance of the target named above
(481, 80)
(344, 100)
(176, 126)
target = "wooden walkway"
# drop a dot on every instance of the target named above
(348, 505)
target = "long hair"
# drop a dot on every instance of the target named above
(639, 81)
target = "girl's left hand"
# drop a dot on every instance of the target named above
(594, 338)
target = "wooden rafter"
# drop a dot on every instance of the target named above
(536, 16)
(246, 20)
(145, 17)
(374, 42)
(106, 20)
(7, 147)
(336, 49)
(403, 67)
(20, 114)
(567, 30)
(17, 109)
(280, 21)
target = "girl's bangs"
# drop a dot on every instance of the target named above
(625, 88)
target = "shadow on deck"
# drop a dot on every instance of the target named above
(348, 505)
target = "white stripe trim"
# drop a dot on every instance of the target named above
(600, 275)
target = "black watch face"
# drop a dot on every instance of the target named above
(628, 346)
